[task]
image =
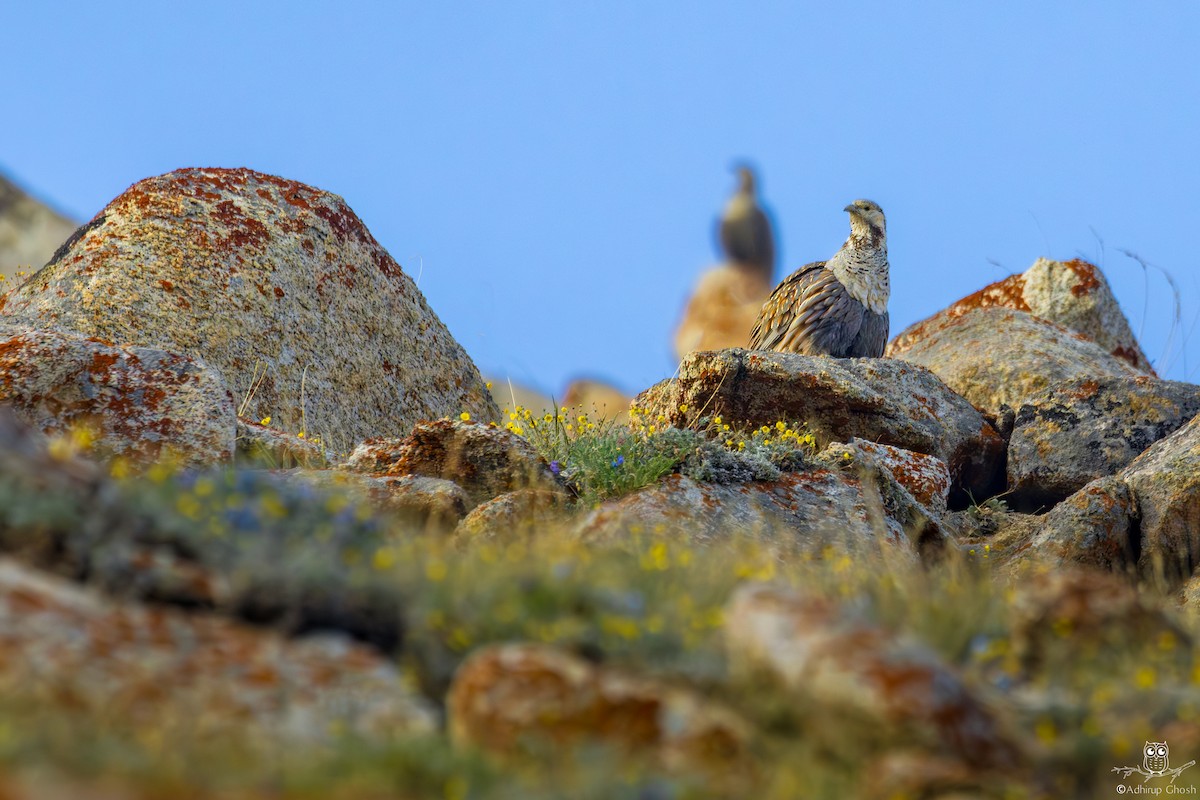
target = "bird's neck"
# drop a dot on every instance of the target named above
(862, 267)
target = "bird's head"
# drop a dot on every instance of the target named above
(866, 219)
(746, 177)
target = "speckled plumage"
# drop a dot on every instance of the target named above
(837, 307)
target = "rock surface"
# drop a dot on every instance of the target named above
(1144, 518)
(996, 356)
(816, 649)
(30, 232)
(1166, 482)
(503, 695)
(802, 513)
(139, 403)
(880, 400)
(1096, 526)
(520, 513)
(1084, 429)
(65, 644)
(1074, 294)
(722, 310)
(275, 284)
(263, 445)
(484, 460)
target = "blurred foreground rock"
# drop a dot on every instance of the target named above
(509, 695)
(75, 651)
(820, 651)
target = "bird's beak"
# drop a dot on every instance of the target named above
(853, 209)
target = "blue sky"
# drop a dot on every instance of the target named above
(551, 171)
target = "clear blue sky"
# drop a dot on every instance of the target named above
(552, 170)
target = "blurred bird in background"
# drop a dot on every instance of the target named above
(727, 299)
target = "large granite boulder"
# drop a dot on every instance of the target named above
(136, 403)
(879, 400)
(275, 284)
(1073, 294)
(998, 357)
(1074, 432)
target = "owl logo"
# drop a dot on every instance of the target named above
(1156, 755)
(1155, 763)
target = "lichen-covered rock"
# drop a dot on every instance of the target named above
(374, 456)
(275, 284)
(722, 310)
(800, 513)
(911, 488)
(1073, 294)
(1084, 429)
(924, 477)
(505, 695)
(1147, 516)
(484, 460)
(1073, 613)
(1096, 526)
(513, 514)
(270, 447)
(820, 651)
(68, 647)
(1165, 479)
(997, 356)
(879, 400)
(139, 403)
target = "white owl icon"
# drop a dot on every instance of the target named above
(1155, 758)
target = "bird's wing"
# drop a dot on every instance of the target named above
(810, 312)
(872, 337)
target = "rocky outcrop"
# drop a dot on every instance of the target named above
(137, 403)
(821, 652)
(30, 232)
(1075, 432)
(998, 357)
(507, 695)
(879, 400)
(722, 309)
(1073, 294)
(276, 285)
(67, 645)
